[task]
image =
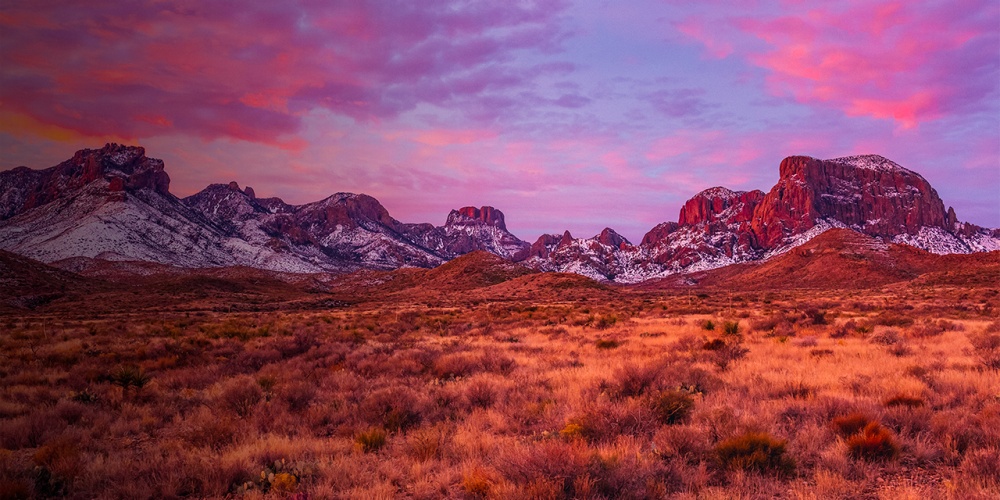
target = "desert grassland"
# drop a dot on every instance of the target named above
(894, 394)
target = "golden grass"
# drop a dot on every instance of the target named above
(510, 400)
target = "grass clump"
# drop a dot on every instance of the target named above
(371, 440)
(606, 344)
(904, 400)
(847, 425)
(873, 443)
(755, 452)
(731, 328)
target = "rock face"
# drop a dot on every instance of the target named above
(487, 215)
(869, 193)
(123, 167)
(469, 229)
(114, 203)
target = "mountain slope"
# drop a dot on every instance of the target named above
(114, 203)
(718, 227)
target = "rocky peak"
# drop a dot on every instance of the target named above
(609, 237)
(869, 193)
(566, 240)
(543, 246)
(116, 160)
(487, 215)
(659, 233)
(124, 168)
(714, 203)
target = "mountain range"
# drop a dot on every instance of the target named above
(114, 204)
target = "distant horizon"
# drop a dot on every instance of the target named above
(575, 115)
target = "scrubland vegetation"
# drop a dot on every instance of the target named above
(711, 395)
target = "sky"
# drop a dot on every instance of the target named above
(573, 115)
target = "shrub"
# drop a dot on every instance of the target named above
(126, 376)
(672, 407)
(809, 341)
(731, 328)
(606, 344)
(886, 337)
(395, 408)
(756, 452)
(927, 329)
(904, 400)
(872, 443)
(632, 380)
(606, 321)
(730, 352)
(714, 345)
(708, 325)
(888, 318)
(987, 348)
(481, 393)
(817, 316)
(371, 440)
(241, 395)
(850, 424)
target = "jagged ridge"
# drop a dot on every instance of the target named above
(114, 203)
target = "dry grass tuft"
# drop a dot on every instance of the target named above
(873, 443)
(755, 452)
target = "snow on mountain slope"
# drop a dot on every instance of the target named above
(147, 227)
(113, 203)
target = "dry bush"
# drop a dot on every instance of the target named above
(606, 344)
(297, 395)
(633, 380)
(481, 393)
(886, 336)
(603, 421)
(241, 395)
(848, 425)
(672, 407)
(872, 443)
(987, 348)
(371, 440)
(905, 400)
(393, 408)
(564, 464)
(755, 452)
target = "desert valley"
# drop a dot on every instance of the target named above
(836, 337)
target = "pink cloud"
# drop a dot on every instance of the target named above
(251, 71)
(910, 62)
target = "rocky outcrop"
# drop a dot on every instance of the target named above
(123, 168)
(487, 215)
(869, 193)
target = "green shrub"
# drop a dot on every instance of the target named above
(756, 452)
(708, 325)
